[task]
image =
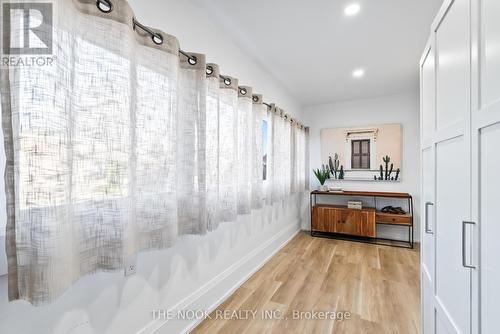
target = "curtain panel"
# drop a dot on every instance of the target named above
(124, 144)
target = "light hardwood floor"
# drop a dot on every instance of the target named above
(378, 285)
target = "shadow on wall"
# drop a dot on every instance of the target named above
(165, 279)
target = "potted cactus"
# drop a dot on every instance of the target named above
(322, 175)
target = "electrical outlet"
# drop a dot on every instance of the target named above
(130, 266)
(130, 270)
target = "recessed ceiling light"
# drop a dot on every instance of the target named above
(358, 73)
(352, 9)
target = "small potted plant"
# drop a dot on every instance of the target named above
(322, 175)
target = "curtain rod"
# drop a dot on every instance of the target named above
(158, 40)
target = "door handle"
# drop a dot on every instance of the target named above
(427, 229)
(464, 252)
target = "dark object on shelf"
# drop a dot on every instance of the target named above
(341, 172)
(394, 210)
(381, 177)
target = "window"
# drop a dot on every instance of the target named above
(360, 154)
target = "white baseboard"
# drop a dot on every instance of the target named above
(217, 290)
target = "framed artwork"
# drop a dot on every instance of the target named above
(371, 152)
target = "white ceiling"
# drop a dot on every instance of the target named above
(312, 48)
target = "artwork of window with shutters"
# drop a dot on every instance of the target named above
(360, 154)
(370, 152)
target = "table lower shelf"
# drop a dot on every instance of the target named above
(369, 240)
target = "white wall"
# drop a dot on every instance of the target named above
(198, 32)
(197, 271)
(404, 109)
(3, 211)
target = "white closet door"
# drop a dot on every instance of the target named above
(428, 103)
(452, 285)
(452, 151)
(490, 228)
(428, 111)
(486, 158)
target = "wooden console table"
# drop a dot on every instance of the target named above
(338, 221)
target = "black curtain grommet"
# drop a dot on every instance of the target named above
(157, 39)
(104, 6)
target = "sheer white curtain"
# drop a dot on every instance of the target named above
(191, 147)
(123, 145)
(228, 148)
(293, 158)
(299, 173)
(259, 116)
(280, 156)
(91, 144)
(244, 164)
(287, 155)
(212, 146)
(270, 179)
(151, 182)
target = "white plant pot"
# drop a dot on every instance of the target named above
(323, 188)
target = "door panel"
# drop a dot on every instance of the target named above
(453, 65)
(452, 281)
(452, 188)
(428, 310)
(330, 216)
(428, 119)
(367, 220)
(428, 214)
(349, 223)
(486, 158)
(324, 219)
(490, 52)
(490, 228)
(428, 95)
